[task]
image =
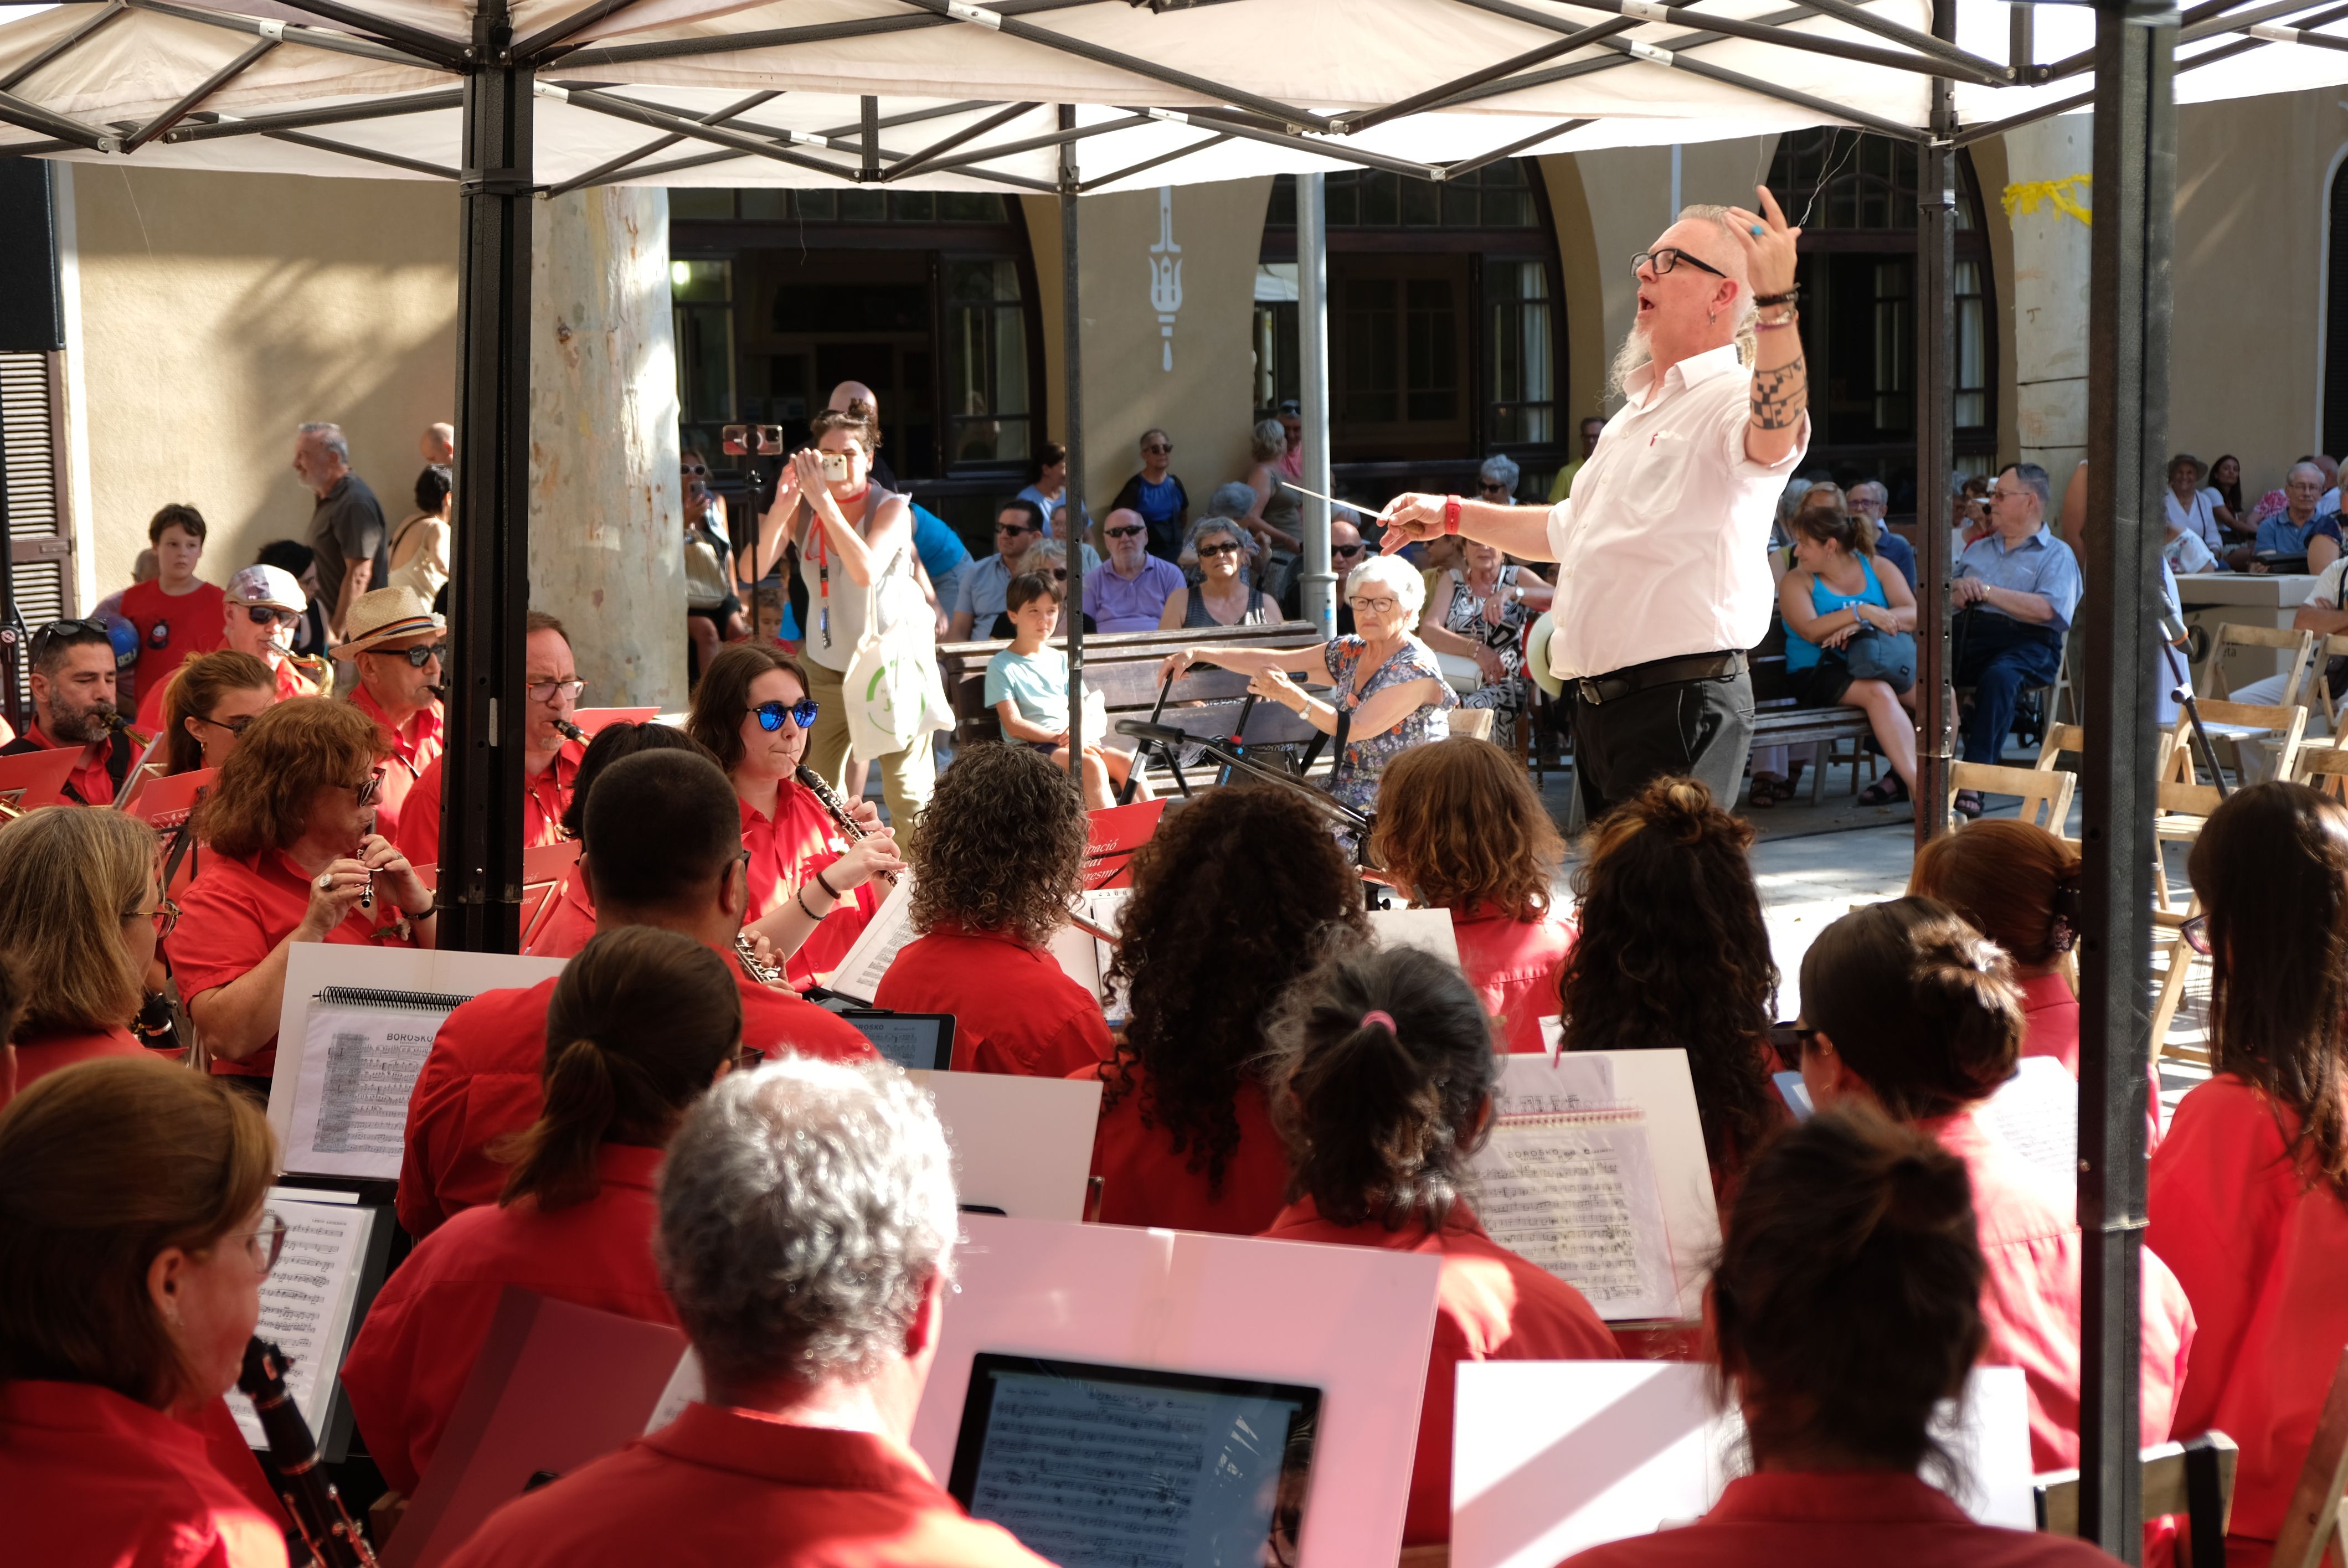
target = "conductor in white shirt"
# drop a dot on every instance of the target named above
(1664, 578)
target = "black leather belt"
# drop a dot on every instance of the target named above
(1617, 684)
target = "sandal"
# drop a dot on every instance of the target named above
(1888, 790)
(1968, 803)
(1769, 789)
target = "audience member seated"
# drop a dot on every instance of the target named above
(1914, 1013)
(2225, 492)
(78, 912)
(300, 562)
(1132, 592)
(1870, 499)
(811, 890)
(641, 1024)
(572, 921)
(264, 609)
(2015, 591)
(1027, 687)
(177, 613)
(1223, 596)
(1017, 528)
(132, 1192)
(666, 838)
(805, 1231)
(1236, 895)
(1672, 953)
(550, 761)
(212, 699)
(1346, 551)
(1158, 495)
(1483, 610)
(2248, 1193)
(996, 859)
(2018, 884)
(2301, 528)
(1049, 558)
(419, 545)
(2182, 549)
(1846, 1309)
(1048, 486)
(1459, 828)
(2191, 511)
(399, 648)
(1834, 601)
(1383, 1070)
(73, 675)
(291, 858)
(1385, 685)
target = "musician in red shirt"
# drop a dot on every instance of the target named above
(212, 698)
(1846, 1307)
(176, 611)
(77, 924)
(665, 853)
(641, 1024)
(997, 857)
(807, 1211)
(1459, 828)
(2248, 1193)
(261, 610)
(1234, 898)
(134, 1241)
(550, 757)
(73, 703)
(572, 921)
(398, 645)
(1384, 1070)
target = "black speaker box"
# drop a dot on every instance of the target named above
(31, 313)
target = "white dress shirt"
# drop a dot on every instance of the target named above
(1663, 548)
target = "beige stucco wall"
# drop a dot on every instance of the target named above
(220, 311)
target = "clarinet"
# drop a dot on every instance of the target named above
(326, 1526)
(849, 828)
(749, 954)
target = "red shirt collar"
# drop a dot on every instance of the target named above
(1848, 1497)
(628, 1165)
(951, 928)
(722, 1438)
(1304, 1214)
(423, 726)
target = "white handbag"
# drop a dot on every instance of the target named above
(891, 687)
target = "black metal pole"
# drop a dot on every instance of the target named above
(480, 821)
(2128, 420)
(1936, 346)
(1072, 496)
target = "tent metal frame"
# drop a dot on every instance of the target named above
(2134, 61)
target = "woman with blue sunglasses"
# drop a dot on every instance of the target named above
(753, 711)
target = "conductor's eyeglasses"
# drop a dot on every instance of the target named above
(770, 715)
(1668, 257)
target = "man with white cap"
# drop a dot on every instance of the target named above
(398, 645)
(265, 607)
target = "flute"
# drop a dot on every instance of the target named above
(849, 828)
(327, 1529)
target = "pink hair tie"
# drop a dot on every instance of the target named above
(1379, 1015)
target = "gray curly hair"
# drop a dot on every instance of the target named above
(804, 1209)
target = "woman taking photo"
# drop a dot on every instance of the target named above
(78, 919)
(1912, 1012)
(1222, 596)
(855, 544)
(132, 1192)
(641, 1022)
(997, 863)
(1485, 609)
(1846, 1307)
(1833, 599)
(210, 701)
(1672, 952)
(295, 858)
(811, 888)
(572, 921)
(2248, 1193)
(1459, 828)
(1385, 1070)
(1233, 899)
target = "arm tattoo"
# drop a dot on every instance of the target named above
(1781, 396)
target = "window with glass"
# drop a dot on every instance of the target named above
(986, 362)
(702, 305)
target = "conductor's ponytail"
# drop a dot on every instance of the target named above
(641, 1022)
(1382, 1072)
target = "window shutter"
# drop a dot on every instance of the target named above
(33, 499)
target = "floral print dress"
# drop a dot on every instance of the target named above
(1363, 764)
(1508, 695)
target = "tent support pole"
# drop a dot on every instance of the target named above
(480, 824)
(2135, 170)
(1312, 374)
(1071, 512)
(1936, 211)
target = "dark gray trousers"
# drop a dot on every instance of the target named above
(1703, 728)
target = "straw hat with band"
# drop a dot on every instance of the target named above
(387, 615)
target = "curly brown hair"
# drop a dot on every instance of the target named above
(1674, 952)
(1236, 896)
(290, 752)
(1459, 824)
(1001, 846)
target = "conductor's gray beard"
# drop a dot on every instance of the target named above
(1633, 356)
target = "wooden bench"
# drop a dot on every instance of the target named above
(1778, 722)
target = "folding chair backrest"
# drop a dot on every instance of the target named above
(2318, 693)
(2177, 799)
(2286, 721)
(2062, 738)
(2195, 1479)
(2231, 636)
(2323, 768)
(2312, 1521)
(2045, 792)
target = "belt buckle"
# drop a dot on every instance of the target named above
(1592, 692)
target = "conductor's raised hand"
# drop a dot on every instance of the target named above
(1769, 244)
(1409, 517)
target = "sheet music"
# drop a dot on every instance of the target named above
(1429, 930)
(2036, 1113)
(1577, 1081)
(1576, 1194)
(877, 946)
(685, 1387)
(305, 1302)
(350, 1105)
(1085, 957)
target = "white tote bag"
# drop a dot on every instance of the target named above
(891, 687)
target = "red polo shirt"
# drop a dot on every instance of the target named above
(415, 746)
(235, 913)
(1016, 1010)
(1144, 1183)
(39, 1055)
(171, 627)
(800, 841)
(410, 1362)
(291, 682)
(87, 1476)
(1490, 1305)
(569, 923)
(544, 799)
(89, 778)
(1513, 966)
(482, 1080)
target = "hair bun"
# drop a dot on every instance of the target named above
(1925, 1193)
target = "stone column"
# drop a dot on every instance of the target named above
(606, 551)
(2050, 261)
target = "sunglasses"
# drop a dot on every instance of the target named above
(1014, 529)
(2195, 933)
(1347, 551)
(369, 792)
(416, 657)
(1208, 552)
(770, 715)
(700, 469)
(1157, 450)
(1492, 488)
(1670, 256)
(57, 630)
(1129, 531)
(269, 614)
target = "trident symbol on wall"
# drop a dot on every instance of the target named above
(1165, 272)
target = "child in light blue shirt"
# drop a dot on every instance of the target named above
(1027, 687)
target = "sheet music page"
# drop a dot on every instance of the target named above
(305, 1302)
(350, 1104)
(1576, 1194)
(1539, 1087)
(877, 946)
(1429, 930)
(2036, 1111)
(1085, 957)
(685, 1387)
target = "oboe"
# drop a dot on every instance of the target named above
(849, 828)
(326, 1526)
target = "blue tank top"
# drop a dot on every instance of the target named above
(1801, 653)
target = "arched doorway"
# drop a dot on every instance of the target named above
(2335, 316)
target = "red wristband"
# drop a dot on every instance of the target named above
(1450, 514)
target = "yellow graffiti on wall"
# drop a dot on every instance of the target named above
(2025, 196)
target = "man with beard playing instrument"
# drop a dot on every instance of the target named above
(73, 708)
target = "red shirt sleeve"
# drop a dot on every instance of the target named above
(420, 819)
(436, 1120)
